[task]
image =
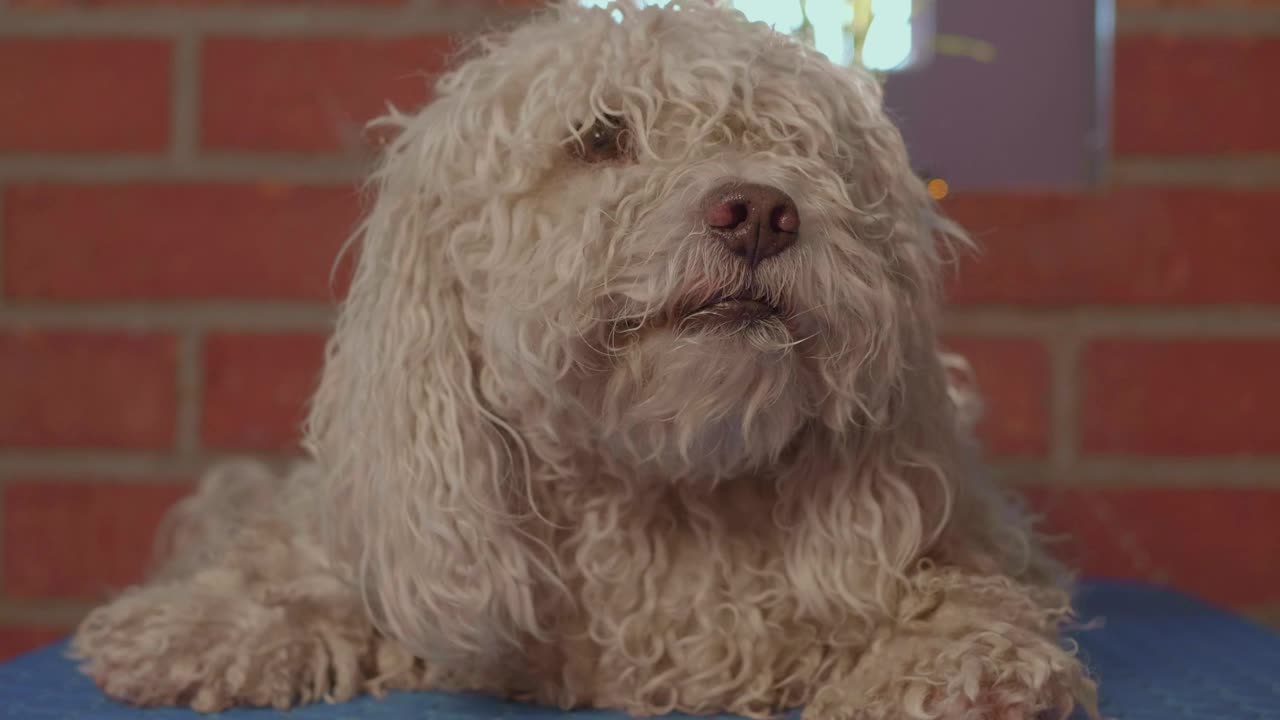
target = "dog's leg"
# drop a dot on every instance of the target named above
(264, 627)
(963, 647)
(246, 610)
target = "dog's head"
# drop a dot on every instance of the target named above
(669, 239)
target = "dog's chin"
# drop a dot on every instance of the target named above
(717, 394)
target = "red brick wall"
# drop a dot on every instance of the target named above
(1128, 338)
(176, 177)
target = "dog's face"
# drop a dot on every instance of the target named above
(680, 239)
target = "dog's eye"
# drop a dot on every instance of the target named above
(608, 139)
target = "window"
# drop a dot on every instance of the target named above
(883, 35)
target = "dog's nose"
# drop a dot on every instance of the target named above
(754, 221)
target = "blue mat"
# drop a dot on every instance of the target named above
(1159, 656)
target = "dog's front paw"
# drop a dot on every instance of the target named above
(921, 699)
(189, 646)
(175, 646)
(993, 699)
(139, 649)
(1017, 675)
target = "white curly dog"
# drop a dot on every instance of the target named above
(635, 402)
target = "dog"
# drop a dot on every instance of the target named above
(635, 401)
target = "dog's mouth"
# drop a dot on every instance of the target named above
(723, 312)
(737, 307)
(729, 313)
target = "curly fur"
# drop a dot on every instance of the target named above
(536, 474)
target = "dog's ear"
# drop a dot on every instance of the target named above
(424, 487)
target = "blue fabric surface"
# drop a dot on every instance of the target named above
(1159, 656)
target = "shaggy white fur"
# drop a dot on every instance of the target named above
(550, 463)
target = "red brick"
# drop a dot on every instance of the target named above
(309, 94)
(1013, 377)
(80, 539)
(153, 242)
(1180, 397)
(18, 639)
(1135, 246)
(256, 389)
(1196, 95)
(1217, 543)
(84, 95)
(87, 390)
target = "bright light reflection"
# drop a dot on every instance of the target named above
(889, 43)
(889, 38)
